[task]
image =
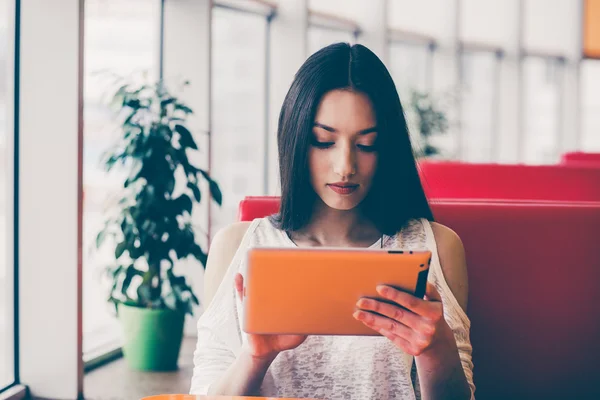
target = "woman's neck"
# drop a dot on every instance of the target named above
(329, 227)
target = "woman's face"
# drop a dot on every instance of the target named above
(343, 155)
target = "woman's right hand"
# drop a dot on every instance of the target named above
(267, 347)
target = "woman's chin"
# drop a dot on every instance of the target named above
(340, 203)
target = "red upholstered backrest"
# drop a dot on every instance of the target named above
(534, 301)
(534, 298)
(449, 180)
(253, 207)
(581, 159)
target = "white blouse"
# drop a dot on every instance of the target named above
(324, 367)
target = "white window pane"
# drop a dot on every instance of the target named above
(238, 110)
(320, 37)
(430, 17)
(590, 104)
(552, 26)
(541, 113)
(410, 66)
(6, 277)
(490, 21)
(122, 38)
(478, 105)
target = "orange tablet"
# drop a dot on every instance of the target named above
(314, 291)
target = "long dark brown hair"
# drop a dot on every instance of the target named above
(396, 194)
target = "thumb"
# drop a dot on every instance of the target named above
(432, 294)
(239, 285)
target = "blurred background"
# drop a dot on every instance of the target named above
(497, 81)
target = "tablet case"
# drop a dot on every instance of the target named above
(314, 291)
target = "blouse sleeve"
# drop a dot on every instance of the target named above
(219, 335)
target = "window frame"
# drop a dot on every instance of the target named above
(14, 390)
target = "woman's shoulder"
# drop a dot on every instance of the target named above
(445, 236)
(222, 250)
(451, 254)
(231, 234)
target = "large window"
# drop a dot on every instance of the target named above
(238, 107)
(542, 109)
(479, 107)
(6, 189)
(590, 105)
(121, 37)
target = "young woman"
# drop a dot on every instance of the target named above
(348, 179)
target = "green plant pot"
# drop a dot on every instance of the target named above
(152, 337)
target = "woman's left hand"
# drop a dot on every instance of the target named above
(412, 324)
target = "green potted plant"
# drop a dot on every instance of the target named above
(427, 119)
(150, 222)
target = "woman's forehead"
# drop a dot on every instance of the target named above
(346, 110)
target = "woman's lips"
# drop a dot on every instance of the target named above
(342, 189)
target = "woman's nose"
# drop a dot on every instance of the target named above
(344, 163)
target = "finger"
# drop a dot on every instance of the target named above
(406, 300)
(378, 322)
(432, 294)
(407, 317)
(239, 285)
(398, 341)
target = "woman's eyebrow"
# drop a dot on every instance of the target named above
(330, 129)
(368, 130)
(327, 128)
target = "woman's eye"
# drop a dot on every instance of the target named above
(366, 148)
(322, 145)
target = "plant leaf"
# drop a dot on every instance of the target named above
(184, 202)
(120, 249)
(131, 272)
(171, 301)
(215, 192)
(199, 254)
(166, 102)
(135, 170)
(100, 238)
(186, 140)
(116, 272)
(170, 185)
(195, 191)
(184, 108)
(194, 298)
